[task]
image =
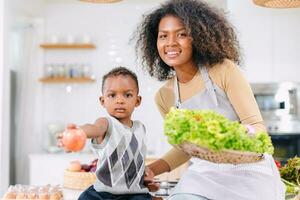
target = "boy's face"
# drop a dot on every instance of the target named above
(120, 97)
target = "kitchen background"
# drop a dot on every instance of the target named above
(32, 109)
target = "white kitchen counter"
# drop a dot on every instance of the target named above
(49, 169)
(71, 194)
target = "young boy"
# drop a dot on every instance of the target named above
(118, 141)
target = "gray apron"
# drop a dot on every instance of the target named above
(255, 181)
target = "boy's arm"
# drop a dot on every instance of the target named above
(97, 130)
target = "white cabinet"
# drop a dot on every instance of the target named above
(49, 168)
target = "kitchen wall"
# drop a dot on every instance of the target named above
(3, 137)
(269, 40)
(5, 23)
(268, 37)
(110, 27)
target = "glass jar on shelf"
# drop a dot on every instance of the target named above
(86, 70)
(49, 71)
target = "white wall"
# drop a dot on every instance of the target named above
(111, 26)
(266, 53)
(1, 97)
(4, 134)
(270, 40)
(28, 8)
(14, 12)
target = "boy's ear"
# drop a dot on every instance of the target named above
(101, 99)
(138, 101)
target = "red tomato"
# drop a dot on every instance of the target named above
(73, 139)
(278, 164)
(94, 163)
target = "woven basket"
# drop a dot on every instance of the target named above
(292, 197)
(278, 3)
(224, 156)
(78, 180)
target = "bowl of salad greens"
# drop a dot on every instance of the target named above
(208, 135)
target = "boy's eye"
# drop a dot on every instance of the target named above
(111, 95)
(128, 95)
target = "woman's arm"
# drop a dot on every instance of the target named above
(240, 95)
(159, 166)
(174, 158)
(170, 161)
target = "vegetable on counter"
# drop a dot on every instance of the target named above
(213, 131)
(290, 175)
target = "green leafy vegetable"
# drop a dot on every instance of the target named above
(290, 174)
(213, 131)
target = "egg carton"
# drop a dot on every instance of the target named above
(29, 192)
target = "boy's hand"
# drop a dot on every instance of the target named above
(149, 180)
(59, 137)
(71, 126)
(60, 143)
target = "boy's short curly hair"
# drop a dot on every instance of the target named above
(121, 71)
(213, 36)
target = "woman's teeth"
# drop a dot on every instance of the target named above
(172, 53)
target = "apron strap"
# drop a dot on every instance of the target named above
(209, 85)
(176, 93)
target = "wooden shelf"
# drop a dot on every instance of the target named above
(67, 46)
(66, 80)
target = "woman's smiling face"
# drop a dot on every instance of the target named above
(174, 44)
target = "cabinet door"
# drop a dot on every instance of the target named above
(49, 168)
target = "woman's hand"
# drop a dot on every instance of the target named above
(250, 130)
(149, 180)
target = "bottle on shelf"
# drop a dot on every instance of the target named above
(49, 71)
(86, 70)
(67, 73)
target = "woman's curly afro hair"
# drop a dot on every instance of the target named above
(213, 36)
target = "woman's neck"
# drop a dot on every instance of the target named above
(186, 73)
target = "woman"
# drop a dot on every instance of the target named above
(195, 49)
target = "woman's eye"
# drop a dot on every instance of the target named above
(162, 36)
(181, 35)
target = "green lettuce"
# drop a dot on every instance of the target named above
(211, 130)
(290, 175)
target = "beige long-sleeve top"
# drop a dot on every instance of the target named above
(230, 79)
